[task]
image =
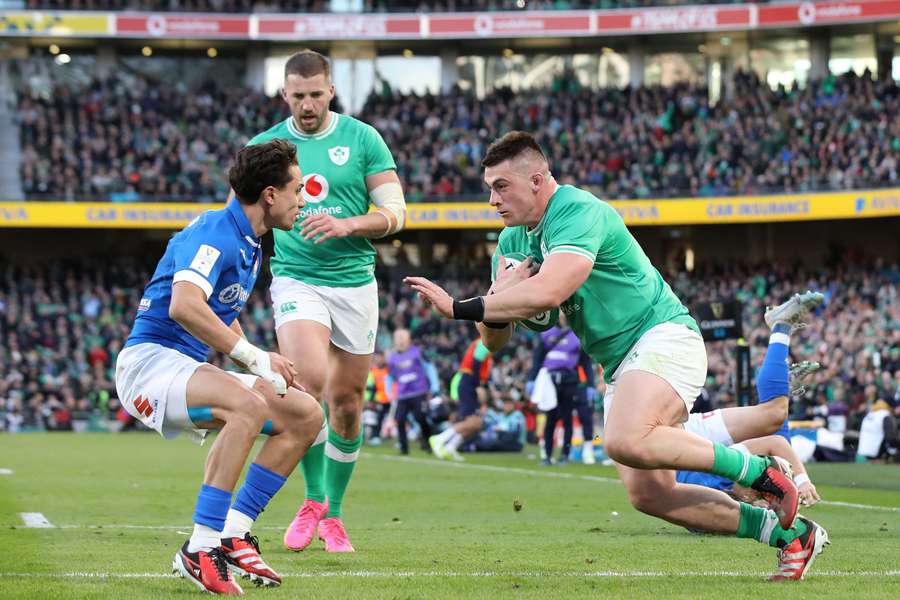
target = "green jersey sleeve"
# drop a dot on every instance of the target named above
(578, 227)
(378, 156)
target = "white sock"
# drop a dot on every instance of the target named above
(587, 447)
(445, 435)
(454, 442)
(204, 538)
(237, 524)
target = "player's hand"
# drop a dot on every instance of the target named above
(808, 494)
(325, 227)
(283, 367)
(507, 277)
(433, 294)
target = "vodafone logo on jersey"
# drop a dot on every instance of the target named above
(315, 188)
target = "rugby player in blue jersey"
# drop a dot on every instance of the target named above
(190, 305)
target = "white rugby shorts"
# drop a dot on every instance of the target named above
(351, 313)
(671, 351)
(151, 381)
(709, 425)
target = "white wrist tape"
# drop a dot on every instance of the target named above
(257, 362)
(800, 479)
(389, 196)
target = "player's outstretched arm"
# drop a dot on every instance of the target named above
(189, 309)
(559, 277)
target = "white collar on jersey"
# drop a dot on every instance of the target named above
(335, 117)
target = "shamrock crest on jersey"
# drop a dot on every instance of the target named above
(339, 155)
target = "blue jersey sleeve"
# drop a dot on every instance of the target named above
(199, 258)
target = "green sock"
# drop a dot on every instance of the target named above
(761, 524)
(733, 464)
(340, 458)
(313, 465)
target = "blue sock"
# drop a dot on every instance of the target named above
(212, 507)
(259, 487)
(773, 379)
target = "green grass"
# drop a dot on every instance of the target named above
(422, 529)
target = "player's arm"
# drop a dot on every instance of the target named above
(236, 327)
(776, 445)
(494, 339)
(385, 193)
(560, 275)
(189, 309)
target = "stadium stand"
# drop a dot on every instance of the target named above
(65, 325)
(132, 138)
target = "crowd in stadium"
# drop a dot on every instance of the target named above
(135, 139)
(65, 325)
(305, 6)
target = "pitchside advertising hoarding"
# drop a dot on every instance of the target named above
(480, 215)
(509, 24)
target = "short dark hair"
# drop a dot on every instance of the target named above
(257, 167)
(510, 146)
(307, 63)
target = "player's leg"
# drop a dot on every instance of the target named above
(419, 407)
(241, 413)
(654, 388)
(303, 328)
(773, 382)
(566, 397)
(294, 421)
(469, 422)
(655, 492)
(551, 417)
(344, 393)
(354, 317)
(585, 411)
(400, 417)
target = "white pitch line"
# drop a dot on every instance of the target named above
(6, 471)
(495, 469)
(552, 474)
(478, 574)
(862, 506)
(36, 520)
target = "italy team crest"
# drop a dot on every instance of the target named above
(339, 155)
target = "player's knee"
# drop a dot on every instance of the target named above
(776, 413)
(250, 410)
(314, 385)
(622, 449)
(647, 496)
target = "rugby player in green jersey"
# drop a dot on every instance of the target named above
(580, 257)
(323, 290)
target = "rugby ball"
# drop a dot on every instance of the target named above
(542, 321)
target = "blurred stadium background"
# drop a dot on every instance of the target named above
(753, 148)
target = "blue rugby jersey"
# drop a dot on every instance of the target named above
(219, 253)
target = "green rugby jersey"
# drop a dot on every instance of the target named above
(335, 164)
(623, 297)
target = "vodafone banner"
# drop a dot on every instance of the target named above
(177, 26)
(675, 19)
(517, 24)
(329, 27)
(509, 24)
(827, 13)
